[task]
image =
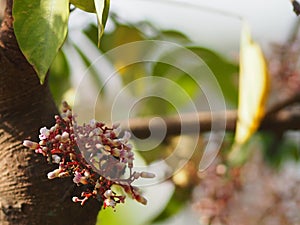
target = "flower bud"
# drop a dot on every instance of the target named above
(72, 156)
(86, 173)
(141, 199)
(55, 159)
(79, 178)
(53, 174)
(99, 146)
(136, 175)
(63, 174)
(221, 169)
(147, 175)
(130, 163)
(58, 137)
(116, 152)
(52, 129)
(126, 136)
(42, 142)
(97, 131)
(69, 113)
(75, 199)
(64, 136)
(117, 131)
(93, 123)
(97, 185)
(108, 193)
(107, 148)
(30, 144)
(116, 125)
(65, 106)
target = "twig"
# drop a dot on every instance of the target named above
(296, 6)
(287, 102)
(282, 120)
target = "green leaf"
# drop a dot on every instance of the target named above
(86, 5)
(102, 9)
(173, 36)
(40, 28)
(226, 72)
(178, 76)
(121, 35)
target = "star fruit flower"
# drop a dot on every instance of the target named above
(94, 155)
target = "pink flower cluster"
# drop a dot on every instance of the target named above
(93, 154)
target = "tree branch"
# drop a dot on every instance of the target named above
(282, 120)
(281, 105)
(276, 119)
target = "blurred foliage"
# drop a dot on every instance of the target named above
(92, 71)
(59, 77)
(172, 36)
(224, 70)
(185, 178)
(276, 150)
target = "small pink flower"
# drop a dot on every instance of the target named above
(44, 133)
(109, 203)
(93, 154)
(79, 178)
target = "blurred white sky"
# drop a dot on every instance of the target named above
(270, 20)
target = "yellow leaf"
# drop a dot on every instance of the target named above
(253, 90)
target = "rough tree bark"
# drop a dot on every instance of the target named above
(26, 195)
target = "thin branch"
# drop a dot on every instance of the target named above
(282, 120)
(281, 105)
(202, 120)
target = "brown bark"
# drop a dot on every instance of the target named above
(26, 195)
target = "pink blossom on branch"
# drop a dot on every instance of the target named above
(93, 154)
